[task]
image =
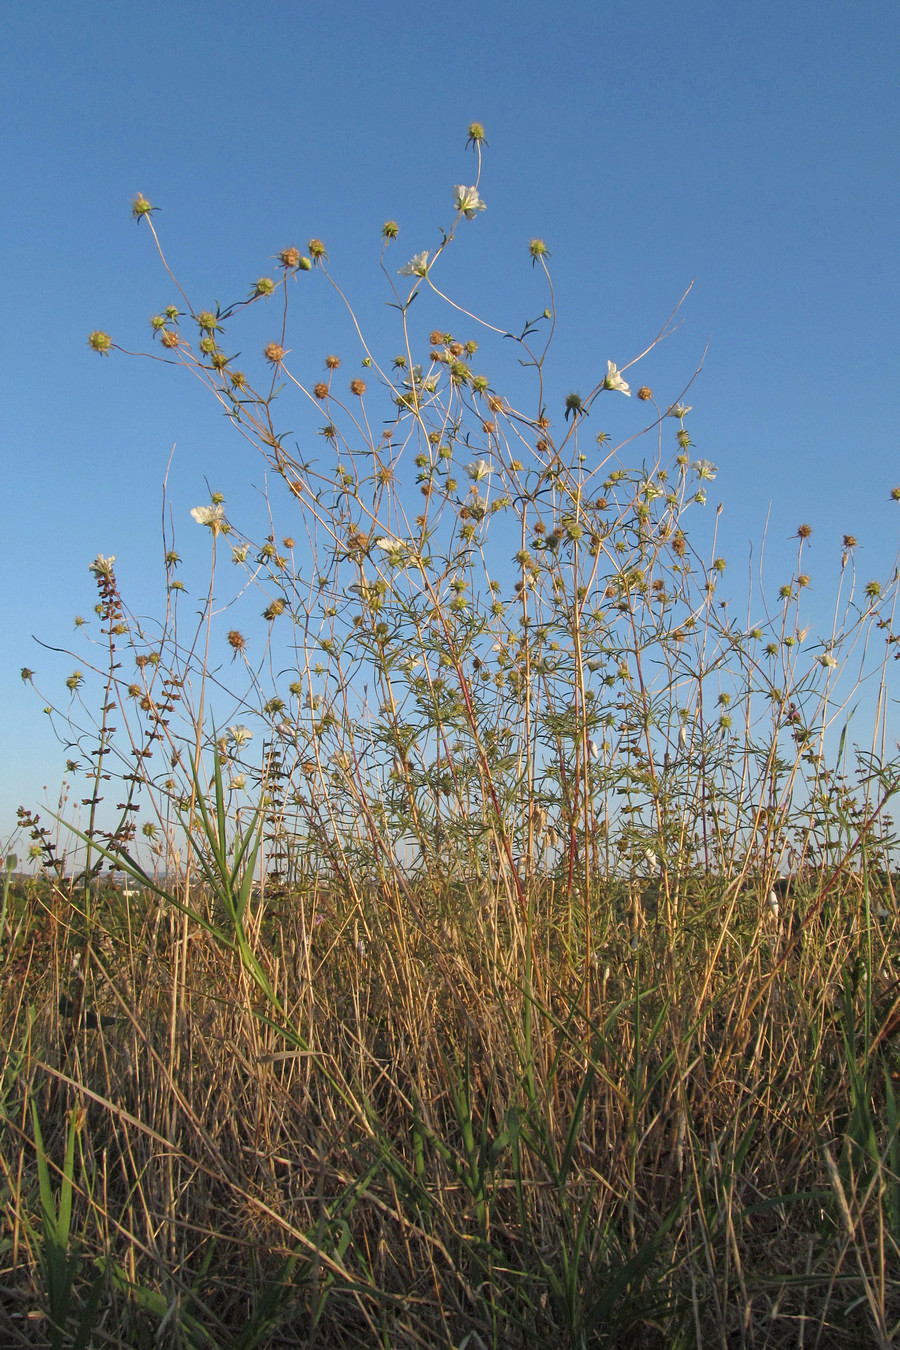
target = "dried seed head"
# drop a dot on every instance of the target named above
(320, 390)
(332, 362)
(358, 387)
(804, 532)
(275, 353)
(849, 541)
(237, 640)
(289, 257)
(317, 251)
(168, 338)
(644, 393)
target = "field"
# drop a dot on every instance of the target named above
(485, 941)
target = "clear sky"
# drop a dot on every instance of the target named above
(751, 147)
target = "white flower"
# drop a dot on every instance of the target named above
(679, 410)
(102, 567)
(239, 553)
(240, 735)
(828, 661)
(416, 267)
(651, 858)
(394, 548)
(212, 515)
(593, 750)
(682, 736)
(467, 200)
(773, 904)
(614, 380)
(238, 783)
(478, 470)
(704, 469)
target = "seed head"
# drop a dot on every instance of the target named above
(289, 257)
(274, 353)
(476, 135)
(237, 640)
(390, 229)
(317, 251)
(140, 207)
(804, 532)
(332, 362)
(538, 249)
(358, 387)
(895, 494)
(644, 393)
(100, 342)
(265, 286)
(320, 390)
(849, 541)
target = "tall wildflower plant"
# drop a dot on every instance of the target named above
(518, 876)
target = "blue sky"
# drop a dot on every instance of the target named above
(750, 148)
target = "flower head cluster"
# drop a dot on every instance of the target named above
(103, 567)
(416, 267)
(467, 200)
(613, 380)
(212, 515)
(394, 548)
